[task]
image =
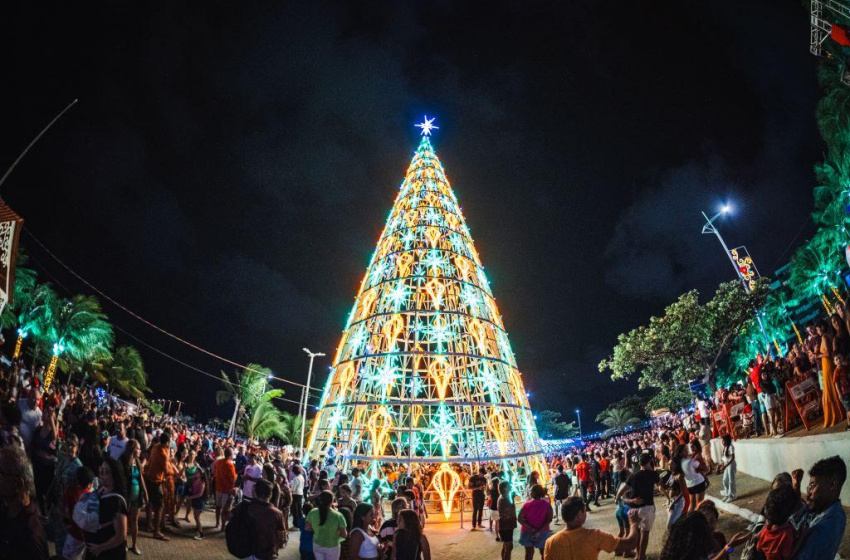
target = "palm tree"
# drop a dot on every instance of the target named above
(292, 428)
(814, 269)
(76, 328)
(618, 419)
(248, 391)
(126, 372)
(264, 420)
(23, 292)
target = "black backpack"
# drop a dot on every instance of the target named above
(237, 534)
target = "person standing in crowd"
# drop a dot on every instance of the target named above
(109, 542)
(583, 475)
(156, 469)
(297, 487)
(728, 467)
(356, 485)
(507, 519)
(363, 544)
(138, 494)
(21, 531)
(118, 442)
(642, 484)
(389, 527)
(328, 526)
(224, 473)
(30, 415)
(842, 384)
(477, 484)
(534, 518)
(825, 517)
(409, 542)
(694, 477)
(562, 491)
(251, 474)
(493, 503)
(376, 498)
(574, 542)
(73, 546)
(265, 522)
(43, 445)
(832, 407)
(195, 495)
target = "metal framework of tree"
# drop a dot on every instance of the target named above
(424, 372)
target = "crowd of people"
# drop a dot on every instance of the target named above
(92, 474)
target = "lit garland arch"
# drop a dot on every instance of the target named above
(424, 372)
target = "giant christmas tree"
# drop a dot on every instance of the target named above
(424, 372)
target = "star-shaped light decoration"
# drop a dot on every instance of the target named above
(443, 429)
(427, 126)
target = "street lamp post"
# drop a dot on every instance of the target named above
(305, 394)
(709, 228)
(578, 413)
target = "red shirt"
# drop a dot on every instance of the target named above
(842, 380)
(583, 472)
(777, 543)
(603, 465)
(755, 377)
(72, 496)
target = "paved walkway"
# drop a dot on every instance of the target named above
(448, 541)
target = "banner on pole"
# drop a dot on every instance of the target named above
(746, 267)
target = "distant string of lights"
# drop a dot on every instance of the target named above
(149, 323)
(68, 291)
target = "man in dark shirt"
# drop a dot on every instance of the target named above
(478, 483)
(642, 485)
(563, 484)
(266, 523)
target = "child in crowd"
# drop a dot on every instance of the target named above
(75, 544)
(777, 539)
(729, 469)
(305, 544)
(196, 499)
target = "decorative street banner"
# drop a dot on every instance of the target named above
(807, 400)
(746, 267)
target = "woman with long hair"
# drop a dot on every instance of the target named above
(833, 410)
(377, 500)
(109, 542)
(138, 494)
(328, 525)
(43, 448)
(690, 538)
(507, 519)
(409, 542)
(190, 466)
(363, 544)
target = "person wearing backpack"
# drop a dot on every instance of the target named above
(255, 529)
(109, 540)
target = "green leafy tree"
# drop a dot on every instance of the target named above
(24, 291)
(636, 405)
(249, 391)
(126, 372)
(686, 343)
(550, 425)
(618, 419)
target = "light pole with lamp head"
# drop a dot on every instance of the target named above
(709, 228)
(305, 394)
(578, 413)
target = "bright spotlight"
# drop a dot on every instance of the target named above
(726, 208)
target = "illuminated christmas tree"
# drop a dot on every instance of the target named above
(424, 372)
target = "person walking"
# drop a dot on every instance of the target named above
(296, 485)
(477, 484)
(138, 494)
(507, 519)
(642, 484)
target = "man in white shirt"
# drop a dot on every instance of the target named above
(253, 473)
(30, 416)
(118, 442)
(296, 485)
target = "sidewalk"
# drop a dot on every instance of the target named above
(752, 493)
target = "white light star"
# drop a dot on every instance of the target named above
(428, 126)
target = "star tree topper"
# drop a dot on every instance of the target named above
(428, 126)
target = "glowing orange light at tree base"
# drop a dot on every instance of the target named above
(446, 483)
(17, 353)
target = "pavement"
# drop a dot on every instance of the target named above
(448, 540)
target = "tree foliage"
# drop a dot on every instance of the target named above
(550, 426)
(635, 404)
(686, 343)
(618, 419)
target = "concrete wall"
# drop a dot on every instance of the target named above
(766, 457)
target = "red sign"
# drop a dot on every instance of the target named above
(806, 396)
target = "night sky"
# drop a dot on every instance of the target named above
(229, 166)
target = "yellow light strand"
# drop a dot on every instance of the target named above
(51, 371)
(18, 344)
